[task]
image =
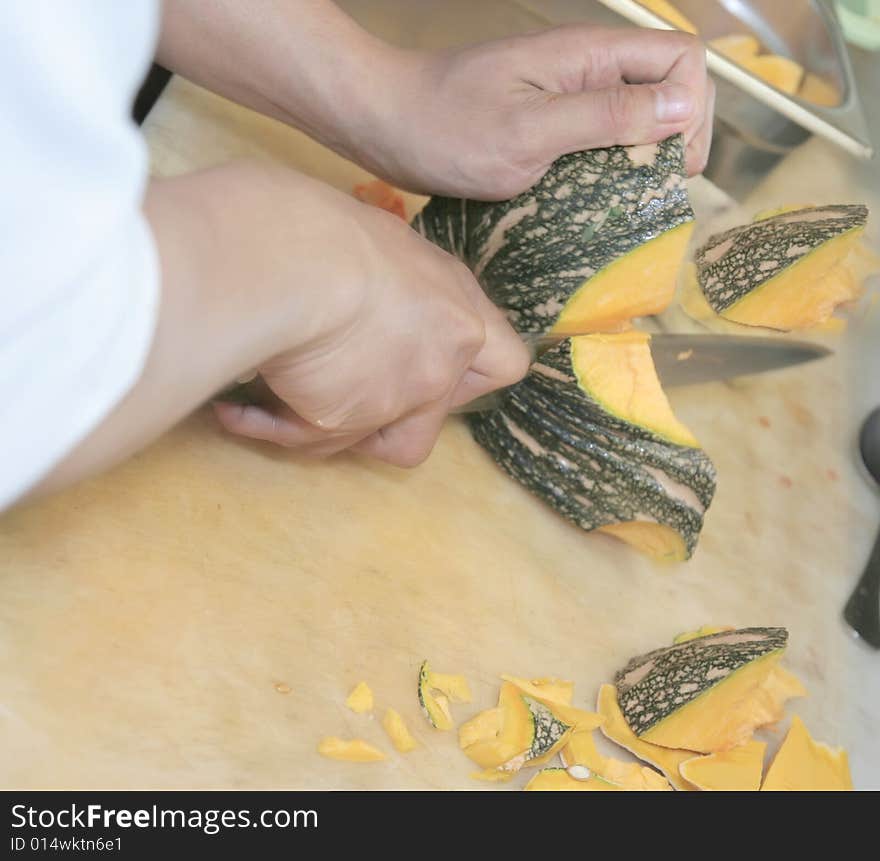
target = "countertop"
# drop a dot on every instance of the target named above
(197, 616)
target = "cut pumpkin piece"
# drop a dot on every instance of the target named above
(559, 780)
(581, 750)
(738, 47)
(670, 13)
(787, 271)
(434, 705)
(455, 687)
(819, 91)
(545, 689)
(707, 694)
(736, 770)
(398, 732)
(802, 764)
(609, 465)
(360, 700)
(781, 72)
(528, 733)
(616, 729)
(597, 241)
(355, 750)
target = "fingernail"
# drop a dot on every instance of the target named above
(673, 103)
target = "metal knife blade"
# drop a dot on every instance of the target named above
(683, 360)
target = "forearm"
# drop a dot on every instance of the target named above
(219, 314)
(304, 62)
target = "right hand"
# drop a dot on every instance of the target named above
(388, 333)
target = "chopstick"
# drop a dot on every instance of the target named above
(762, 91)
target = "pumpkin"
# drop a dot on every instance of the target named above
(736, 770)
(787, 270)
(360, 700)
(616, 729)
(804, 764)
(590, 432)
(398, 732)
(520, 730)
(738, 47)
(781, 72)
(670, 14)
(355, 750)
(598, 240)
(435, 692)
(707, 694)
(559, 780)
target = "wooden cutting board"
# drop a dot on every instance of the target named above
(196, 617)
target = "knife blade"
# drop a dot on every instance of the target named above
(684, 359)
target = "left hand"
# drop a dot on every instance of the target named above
(487, 121)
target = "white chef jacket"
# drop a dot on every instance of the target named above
(79, 274)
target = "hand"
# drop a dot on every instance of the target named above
(487, 121)
(391, 336)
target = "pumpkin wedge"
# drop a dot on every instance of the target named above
(398, 732)
(360, 700)
(597, 241)
(707, 694)
(435, 692)
(736, 770)
(786, 271)
(581, 750)
(570, 435)
(804, 764)
(349, 750)
(616, 729)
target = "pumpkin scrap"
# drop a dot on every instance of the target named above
(738, 769)
(382, 195)
(597, 241)
(559, 780)
(520, 731)
(631, 470)
(786, 271)
(356, 750)
(616, 729)
(435, 692)
(702, 631)
(707, 694)
(360, 700)
(581, 750)
(804, 764)
(398, 732)
(545, 689)
(739, 47)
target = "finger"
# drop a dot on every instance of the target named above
(697, 153)
(409, 440)
(622, 115)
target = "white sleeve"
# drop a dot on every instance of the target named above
(79, 274)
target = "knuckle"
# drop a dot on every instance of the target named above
(618, 109)
(411, 453)
(434, 382)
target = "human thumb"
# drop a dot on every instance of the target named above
(626, 114)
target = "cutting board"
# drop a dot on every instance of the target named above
(197, 616)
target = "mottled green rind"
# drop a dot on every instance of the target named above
(548, 729)
(697, 665)
(736, 262)
(532, 253)
(592, 467)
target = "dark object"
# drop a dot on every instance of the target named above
(862, 611)
(149, 92)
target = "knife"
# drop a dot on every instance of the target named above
(680, 360)
(684, 360)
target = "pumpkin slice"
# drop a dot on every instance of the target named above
(598, 469)
(455, 687)
(398, 732)
(804, 764)
(670, 14)
(360, 700)
(787, 271)
(702, 631)
(739, 47)
(545, 689)
(581, 750)
(738, 769)
(355, 750)
(435, 706)
(616, 729)
(780, 72)
(559, 780)
(598, 240)
(707, 694)
(528, 733)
